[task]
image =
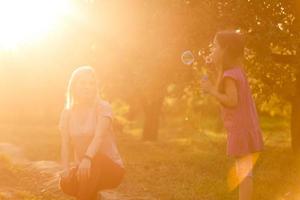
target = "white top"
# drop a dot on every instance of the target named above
(81, 136)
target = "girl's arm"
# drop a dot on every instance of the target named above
(102, 128)
(230, 96)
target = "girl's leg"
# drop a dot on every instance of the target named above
(246, 189)
(244, 167)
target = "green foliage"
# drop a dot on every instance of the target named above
(137, 56)
(192, 109)
(276, 107)
(121, 110)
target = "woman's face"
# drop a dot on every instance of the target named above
(85, 88)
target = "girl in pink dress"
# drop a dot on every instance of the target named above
(86, 127)
(231, 89)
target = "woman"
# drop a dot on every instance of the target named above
(86, 127)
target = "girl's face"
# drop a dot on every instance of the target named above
(216, 54)
(85, 88)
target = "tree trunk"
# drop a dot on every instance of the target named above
(295, 118)
(152, 116)
(295, 115)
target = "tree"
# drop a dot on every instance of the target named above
(272, 29)
(148, 59)
(164, 29)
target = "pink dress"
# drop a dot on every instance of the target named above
(241, 122)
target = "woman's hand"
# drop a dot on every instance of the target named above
(84, 169)
(65, 173)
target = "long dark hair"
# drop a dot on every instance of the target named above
(233, 44)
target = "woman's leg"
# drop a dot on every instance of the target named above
(109, 173)
(105, 174)
(88, 190)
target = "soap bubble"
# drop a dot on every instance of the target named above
(187, 57)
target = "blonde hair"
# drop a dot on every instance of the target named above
(73, 79)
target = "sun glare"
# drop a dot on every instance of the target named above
(27, 20)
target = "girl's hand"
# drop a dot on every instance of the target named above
(207, 86)
(84, 169)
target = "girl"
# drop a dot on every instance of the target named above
(86, 126)
(239, 114)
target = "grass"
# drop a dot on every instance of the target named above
(182, 165)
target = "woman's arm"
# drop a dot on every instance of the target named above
(65, 139)
(65, 149)
(102, 128)
(230, 96)
(104, 118)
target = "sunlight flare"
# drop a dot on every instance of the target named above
(235, 178)
(24, 21)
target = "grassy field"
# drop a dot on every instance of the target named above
(182, 165)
